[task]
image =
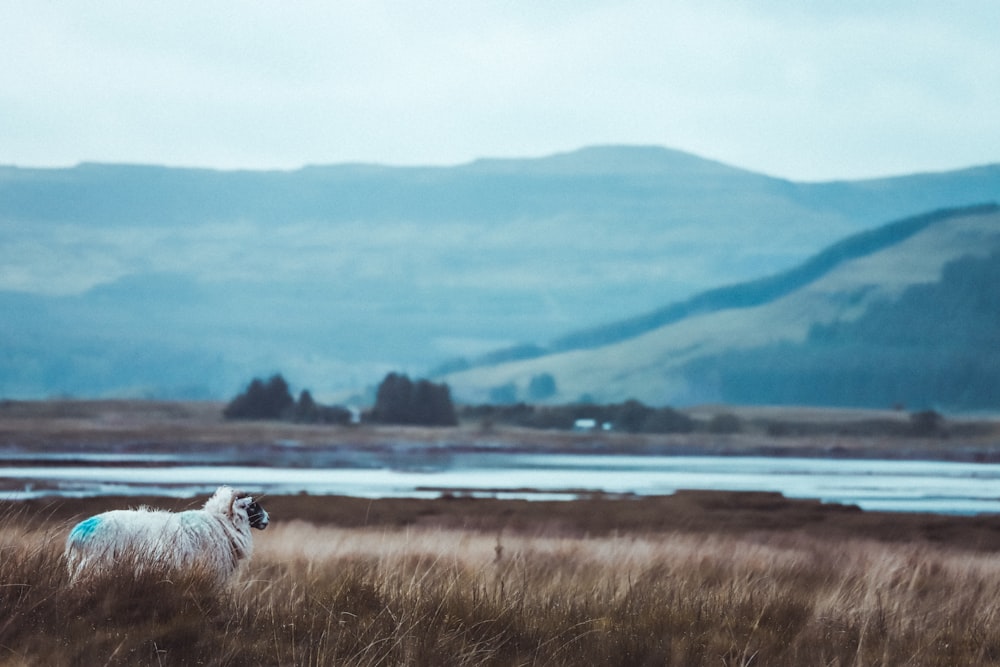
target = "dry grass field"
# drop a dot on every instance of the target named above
(698, 579)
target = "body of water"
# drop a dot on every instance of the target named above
(898, 486)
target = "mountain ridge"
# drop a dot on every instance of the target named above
(336, 274)
(621, 161)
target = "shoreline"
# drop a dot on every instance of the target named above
(198, 432)
(152, 434)
(369, 446)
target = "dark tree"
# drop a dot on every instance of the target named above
(398, 400)
(306, 410)
(668, 420)
(632, 415)
(541, 387)
(926, 423)
(725, 422)
(270, 400)
(334, 414)
(393, 400)
(432, 404)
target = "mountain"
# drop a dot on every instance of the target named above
(168, 282)
(905, 314)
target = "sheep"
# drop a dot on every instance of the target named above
(216, 538)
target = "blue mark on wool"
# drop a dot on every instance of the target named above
(85, 528)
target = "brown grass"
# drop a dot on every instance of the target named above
(423, 594)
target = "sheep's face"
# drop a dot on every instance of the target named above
(256, 515)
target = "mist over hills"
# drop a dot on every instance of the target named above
(138, 280)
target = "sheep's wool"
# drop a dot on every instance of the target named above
(216, 537)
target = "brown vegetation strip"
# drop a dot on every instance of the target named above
(730, 513)
(198, 430)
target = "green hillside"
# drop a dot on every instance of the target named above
(905, 314)
(763, 290)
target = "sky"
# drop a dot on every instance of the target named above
(801, 89)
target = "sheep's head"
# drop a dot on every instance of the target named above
(256, 515)
(229, 503)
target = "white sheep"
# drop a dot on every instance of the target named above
(216, 538)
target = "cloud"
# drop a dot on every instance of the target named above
(800, 90)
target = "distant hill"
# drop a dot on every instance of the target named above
(905, 314)
(134, 280)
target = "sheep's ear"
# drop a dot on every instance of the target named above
(233, 500)
(243, 503)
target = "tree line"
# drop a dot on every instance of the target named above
(272, 400)
(398, 400)
(631, 416)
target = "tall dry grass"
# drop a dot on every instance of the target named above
(389, 596)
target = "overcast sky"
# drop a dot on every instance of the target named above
(802, 89)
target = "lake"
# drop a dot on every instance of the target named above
(897, 486)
